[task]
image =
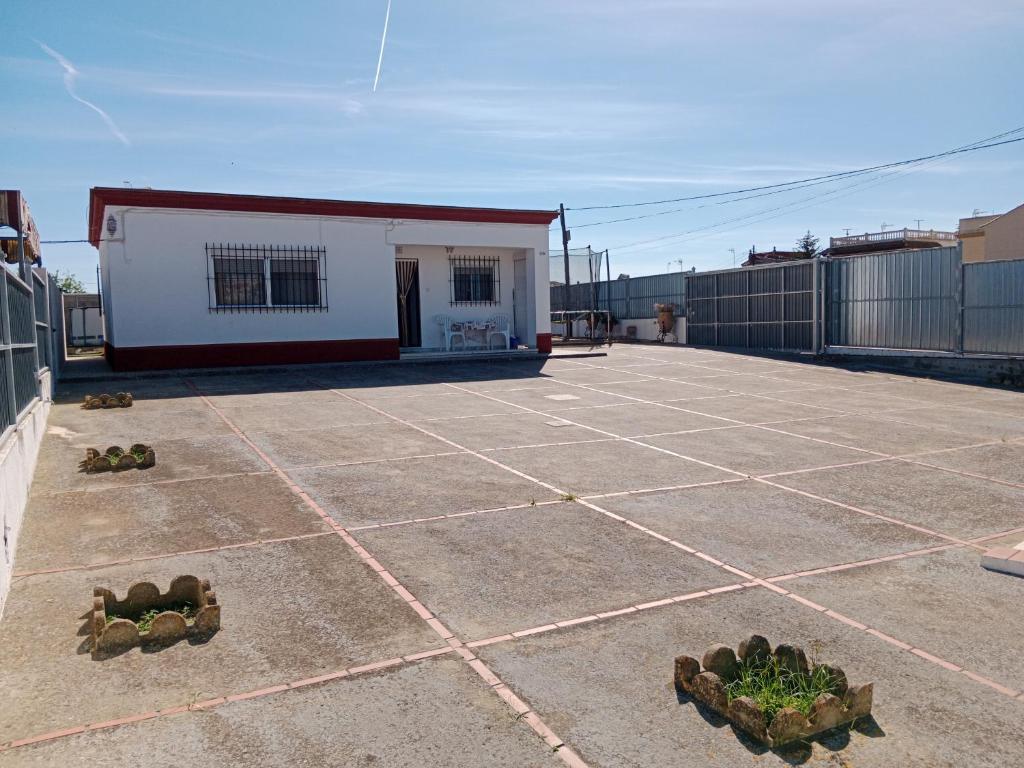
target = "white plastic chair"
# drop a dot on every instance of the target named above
(499, 325)
(451, 329)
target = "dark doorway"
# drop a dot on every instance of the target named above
(407, 280)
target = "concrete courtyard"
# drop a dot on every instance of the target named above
(496, 563)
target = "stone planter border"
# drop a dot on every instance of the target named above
(167, 628)
(117, 400)
(705, 681)
(116, 458)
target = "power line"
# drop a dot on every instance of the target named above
(812, 200)
(974, 147)
(876, 179)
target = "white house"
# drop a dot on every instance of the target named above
(195, 279)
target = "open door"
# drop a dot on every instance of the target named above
(407, 281)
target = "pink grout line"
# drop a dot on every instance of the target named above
(758, 582)
(724, 469)
(802, 600)
(164, 555)
(478, 666)
(964, 473)
(929, 657)
(222, 700)
(129, 486)
(858, 510)
(860, 563)
(388, 460)
(768, 396)
(566, 623)
(638, 491)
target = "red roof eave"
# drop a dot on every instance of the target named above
(101, 197)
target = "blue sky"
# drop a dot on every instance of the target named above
(523, 104)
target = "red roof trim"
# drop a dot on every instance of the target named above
(100, 197)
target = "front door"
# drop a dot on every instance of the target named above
(407, 281)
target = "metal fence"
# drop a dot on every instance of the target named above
(907, 300)
(629, 297)
(993, 307)
(27, 342)
(924, 300)
(770, 307)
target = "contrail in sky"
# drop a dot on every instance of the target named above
(70, 73)
(380, 59)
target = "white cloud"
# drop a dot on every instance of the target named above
(70, 75)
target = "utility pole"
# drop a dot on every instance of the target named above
(733, 252)
(919, 223)
(565, 252)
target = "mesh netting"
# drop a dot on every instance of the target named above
(585, 265)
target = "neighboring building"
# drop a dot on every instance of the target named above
(892, 240)
(202, 279)
(993, 238)
(83, 320)
(773, 257)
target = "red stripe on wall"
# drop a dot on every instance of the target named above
(100, 197)
(258, 353)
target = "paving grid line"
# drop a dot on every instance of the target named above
(454, 515)
(165, 555)
(795, 366)
(146, 484)
(922, 654)
(566, 754)
(602, 615)
(741, 474)
(852, 388)
(389, 459)
(218, 701)
(813, 439)
(786, 593)
(610, 614)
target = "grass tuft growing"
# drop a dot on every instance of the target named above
(774, 687)
(145, 621)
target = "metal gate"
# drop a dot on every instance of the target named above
(900, 300)
(770, 307)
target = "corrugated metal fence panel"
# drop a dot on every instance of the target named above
(896, 300)
(994, 307)
(770, 307)
(630, 297)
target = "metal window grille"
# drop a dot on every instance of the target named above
(266, 278)
(474, 280)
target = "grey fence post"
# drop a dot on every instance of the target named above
(6, 351)
(816, 301)
(960, 307)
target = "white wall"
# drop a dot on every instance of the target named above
(646, 329)
(19, 450)
(435, 288)
(154, 274)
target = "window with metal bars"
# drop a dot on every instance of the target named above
(266, 278)
(474, 280)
